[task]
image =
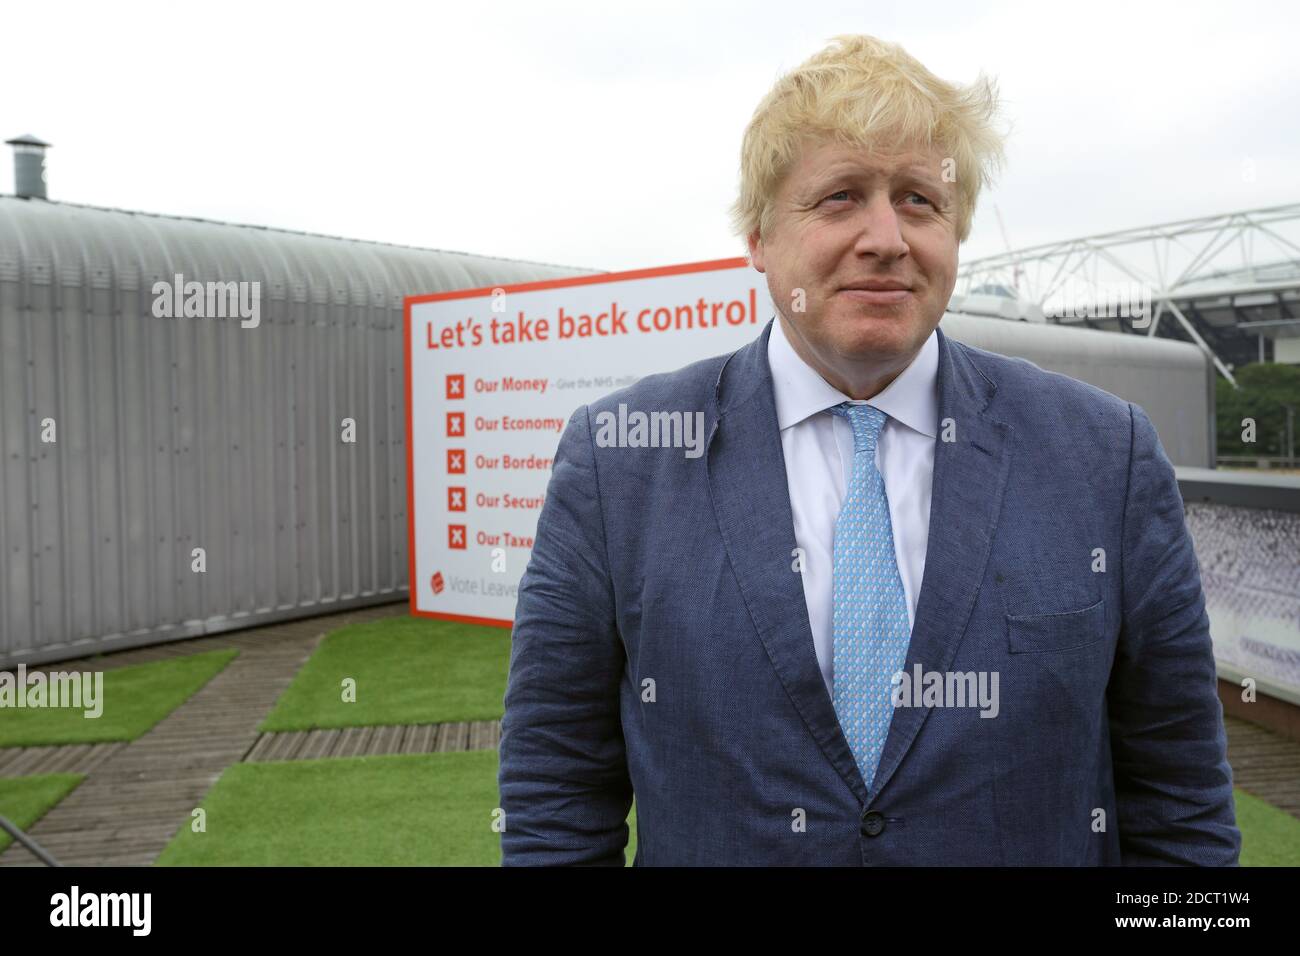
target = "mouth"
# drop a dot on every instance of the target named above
(877, 292)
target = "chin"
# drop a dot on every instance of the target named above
(865, 336)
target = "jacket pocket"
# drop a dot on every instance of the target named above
(1032, 633)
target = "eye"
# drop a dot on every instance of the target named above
(920, 197)
(839, 192)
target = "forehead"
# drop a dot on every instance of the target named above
(820, 160)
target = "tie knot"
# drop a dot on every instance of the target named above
(866, 421)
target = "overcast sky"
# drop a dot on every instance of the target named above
(606, 135)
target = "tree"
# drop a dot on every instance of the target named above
(1264, 391)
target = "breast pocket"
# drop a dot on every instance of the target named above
(1035, 633)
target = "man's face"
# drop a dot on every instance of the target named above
(871, 240)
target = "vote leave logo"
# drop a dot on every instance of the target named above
(437, 582)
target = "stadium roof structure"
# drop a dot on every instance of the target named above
(1230, 283)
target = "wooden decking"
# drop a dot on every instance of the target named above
(73, 758)
(1264, 764)
(295, 745)
(372, 741)
(136, 795)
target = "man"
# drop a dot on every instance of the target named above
(916, 603)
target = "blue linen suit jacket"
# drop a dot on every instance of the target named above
(661, 646)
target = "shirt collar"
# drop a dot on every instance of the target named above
(800, 391)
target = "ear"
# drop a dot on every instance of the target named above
(755, 244)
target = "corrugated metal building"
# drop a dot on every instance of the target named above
(1172, 381)
(172, 434)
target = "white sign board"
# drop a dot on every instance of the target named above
(492, 376)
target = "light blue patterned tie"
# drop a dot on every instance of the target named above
(870, 623)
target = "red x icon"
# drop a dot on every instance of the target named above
(456, 536)
(455, 386)
(455, 461)
(456, 423)
(455, 499)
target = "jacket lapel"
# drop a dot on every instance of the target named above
(970, 474)
(752, 503)
(747, 480)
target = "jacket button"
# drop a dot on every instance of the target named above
(873, 824)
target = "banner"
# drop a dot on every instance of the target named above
(492, 376)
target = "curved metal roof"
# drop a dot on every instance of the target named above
(1083, 353)
(72, 244)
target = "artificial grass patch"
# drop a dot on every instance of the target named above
(1269, 836)
(24, 800)
(399, 810)
(135, 698)
(437, 810)
(407, 670)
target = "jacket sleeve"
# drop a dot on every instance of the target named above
(563, 777)
(1173, 785)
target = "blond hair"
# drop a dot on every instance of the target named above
(867, 93)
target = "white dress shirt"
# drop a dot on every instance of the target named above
(818, 447)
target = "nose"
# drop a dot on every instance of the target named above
(879, 232)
